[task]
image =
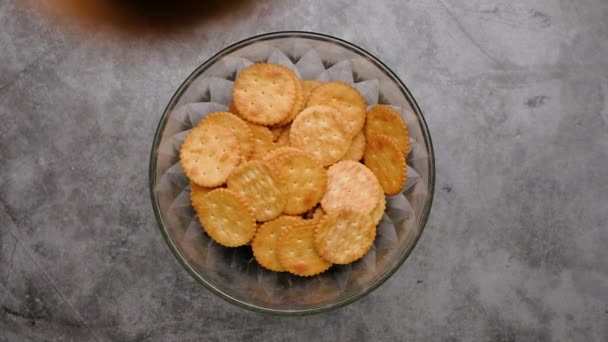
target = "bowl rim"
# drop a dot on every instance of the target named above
(270, 36)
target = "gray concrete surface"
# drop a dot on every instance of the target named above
(516, 97)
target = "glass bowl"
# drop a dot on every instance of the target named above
(232, 273)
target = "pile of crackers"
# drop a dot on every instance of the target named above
(298, 169)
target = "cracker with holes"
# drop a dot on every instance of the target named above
(348, 100)
(265, 94)
(262, 141)
(356, 149)
(308, 86)
(297, 253)
(197, 192)
(209, 154)
(344, 235)
(317, 132)
(264, 243)
(237, 126)
(298, 104)
(384, 120)
(378, 211)
(352, 184)
(226, 217)
(384, 157)
(271, 155)
(256, 181)
(304, 180)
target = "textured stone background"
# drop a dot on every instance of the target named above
(516, 97)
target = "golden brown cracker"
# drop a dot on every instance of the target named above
(264, 93)
(350, 183)
(317, 132)
(271, 155)
(264, 243)
(226, 217)
(384, 120)
(304, 180)
(209, 154)
(344, 235)
(197, 192)
(346, 99)
(262, 141)
(308, 86)
(356, 149)
(296, 251)
(298, 104)
(384, 157)
(378, 211)
(237, 126)
(256, 181)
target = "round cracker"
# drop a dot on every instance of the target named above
(209, 154)
(298, 104)
(258, 183)
(378, 211)
(264, 243)
(384, 120)
(350, 183)
(197, 193)
(270, 156)
(237, 126)
(308, 86)
(356, 149)
(346, 99)
(384, 157)
(317, 132)
(304, 180)
(226, 217)
(262, 141)
(344, 235)
(265, 93)
(297, 253)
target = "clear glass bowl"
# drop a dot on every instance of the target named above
(233, 273)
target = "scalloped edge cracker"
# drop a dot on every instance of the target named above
(227, 218)
(344, 235)
(316, 131)
(264, 244)
(350, 183)
(384, 120)
(209, 154)
(356, 149)
(261, 186)
(265, 94)
(262, 141)
(296, 251)
(304, 180)
(385, 159)
(347, 99)
(237, 126)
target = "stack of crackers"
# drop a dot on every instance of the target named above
(282, 170)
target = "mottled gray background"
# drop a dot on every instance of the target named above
(516, 97)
